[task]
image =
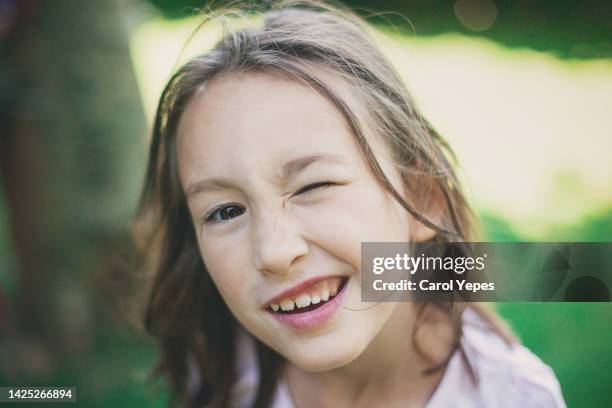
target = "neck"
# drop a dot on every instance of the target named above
(389, 371)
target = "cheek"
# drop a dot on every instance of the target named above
(359, 213)
(229, 270)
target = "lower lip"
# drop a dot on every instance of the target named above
(315, 317)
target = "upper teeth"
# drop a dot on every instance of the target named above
(302, 301)
(321, 293)
(286, 305)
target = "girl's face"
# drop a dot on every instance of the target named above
(281, 200)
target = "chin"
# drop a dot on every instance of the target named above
(323, 355)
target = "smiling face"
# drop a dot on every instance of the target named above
(281, 199)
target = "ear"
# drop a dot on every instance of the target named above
(428, 200)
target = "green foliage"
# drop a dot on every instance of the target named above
(574, 339)
(569, 29)
(115, 375)
(177, 9)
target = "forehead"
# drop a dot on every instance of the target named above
(240, 120)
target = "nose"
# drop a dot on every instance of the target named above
(278, 244)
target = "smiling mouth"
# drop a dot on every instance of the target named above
(311, 298)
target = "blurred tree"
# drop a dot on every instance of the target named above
(568, 28)
(71, 156)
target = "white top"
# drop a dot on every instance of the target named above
(508, 376)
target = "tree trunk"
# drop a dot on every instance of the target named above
(72, 154)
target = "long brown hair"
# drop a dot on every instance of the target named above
(185, 312)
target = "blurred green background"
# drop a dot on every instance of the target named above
(522, 90)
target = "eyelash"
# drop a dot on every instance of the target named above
(312, 186)
(210, 216)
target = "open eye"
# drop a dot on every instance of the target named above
(313, 186)
(224, 213)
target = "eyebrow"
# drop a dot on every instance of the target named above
(289, 170)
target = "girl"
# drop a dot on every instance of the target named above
(273, 156)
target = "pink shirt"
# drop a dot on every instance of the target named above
(509, 376)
